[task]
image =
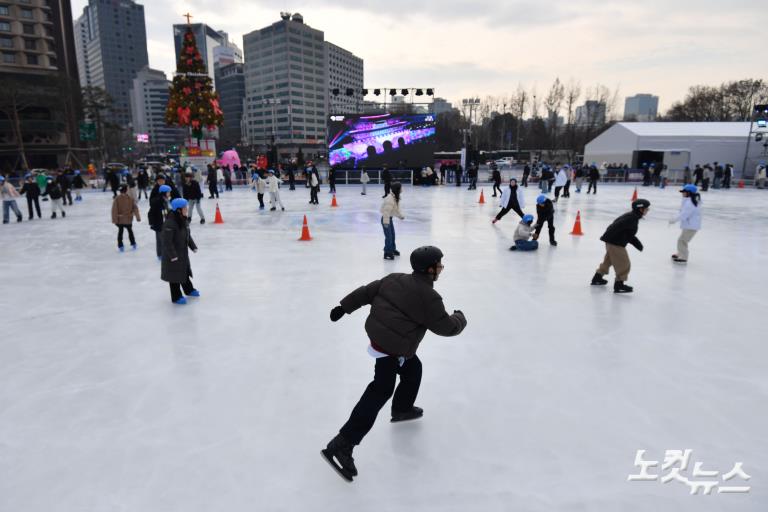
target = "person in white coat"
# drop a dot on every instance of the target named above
(364, 179)
(390, 208)
(512, 199)
(561, 178)
(260, 184)
(690, 221)
(273, 183)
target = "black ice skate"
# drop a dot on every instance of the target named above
(414, 414)
(620, 287)
(338, 454)
(598, 280)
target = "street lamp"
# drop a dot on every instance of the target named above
(274, 102)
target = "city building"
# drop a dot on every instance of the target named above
(641, 107)
(592, 113)
(345, 74)
(38, 66)
(227, 52)
(111, 42)
(207, 40)
(441, 105)
(230, 82)
(148, 98)
(287, 77)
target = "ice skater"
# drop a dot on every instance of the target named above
(594, 177)
(621, 232)
(496, 176)
(561, 178)
(314, 185)
(390, 207)
(161, 180)
(273, 185)
(177, 240)
(9, 194)
(192, 192)
(124, 209)
(364, 179)
(31, 190)
(78, 184)
(523, 234)
(578, 178)
(403, 308)
(512, 199)
(63, 181)
(259, 184)
(158, 210)
(213, 182)
(142, 180)
(332, 180)
(545, 212)
(690, 221)
(386, 177)
(53, 191)
(133, 190)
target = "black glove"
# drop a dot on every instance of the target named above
(337, 313)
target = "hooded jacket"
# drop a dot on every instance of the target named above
(623, 230)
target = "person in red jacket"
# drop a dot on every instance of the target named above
(403, 308)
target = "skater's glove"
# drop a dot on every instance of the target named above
(337, 313)
(175, 259)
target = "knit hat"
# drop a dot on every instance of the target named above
(178, 204)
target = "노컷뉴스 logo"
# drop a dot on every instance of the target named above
(676, 464)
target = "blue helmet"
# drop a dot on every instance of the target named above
(541, 199)
(528, 218)
(77, 173)
(28, 175)
(690, 188)
(164, 189)
(179, 203)
(2, 178)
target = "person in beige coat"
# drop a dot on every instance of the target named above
(390, 207)
(124, 209)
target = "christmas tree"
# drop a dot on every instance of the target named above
(193, 102)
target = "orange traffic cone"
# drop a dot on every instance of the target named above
(634, 195)
(305, 232)
(219, 219)
(334, 204)
(741, 183)
(577, 225)
(482, 197)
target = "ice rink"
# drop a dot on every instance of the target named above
(112, 399)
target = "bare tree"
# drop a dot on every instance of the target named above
(572, 95)
(534, 103)
(17, 97)
(553, 102)
(519, 104)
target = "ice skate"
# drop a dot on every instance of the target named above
(194, 293)
(414, 414)
(63, 213)
(396, 253)
(121, 249)
(620, 287)
(338, 454)
(389, 256)
(598, 280)
(180, 301)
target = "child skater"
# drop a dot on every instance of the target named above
(522, 236)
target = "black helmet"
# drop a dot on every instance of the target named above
(160, 177)
(637, 204)
(426, 257)
(396, 187)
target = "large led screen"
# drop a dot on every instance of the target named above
(356, 141)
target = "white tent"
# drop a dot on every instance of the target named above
(676, 144)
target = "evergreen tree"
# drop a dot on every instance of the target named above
(193, 102)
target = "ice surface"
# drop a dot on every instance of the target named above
(113, 399)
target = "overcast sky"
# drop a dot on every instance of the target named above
(488, 47)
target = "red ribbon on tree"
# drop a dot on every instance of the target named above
(187, 91)
(183, 114)
(195, 124)
(216, 108)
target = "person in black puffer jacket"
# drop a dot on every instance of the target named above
(403, 308)
(158, 208)
(545, 213)
(621, 232)
(176, 269)
(53, 191)
(192, 192)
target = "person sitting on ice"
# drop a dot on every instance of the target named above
(522, 236)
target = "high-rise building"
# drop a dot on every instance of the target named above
(207, 40)
(287, 77)
(641, 107)
(37, 60)
(230, 83)
(345, 73)
(592, 113)
(111, 42)
(441, 105)
(148, 97)
(227, 52)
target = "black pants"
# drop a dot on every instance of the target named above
(378, 393)
(472, 183)
(496, 186)
(227, 184)
(143, 189)
(592, 186)
(30, 202)
(261, 200)
(313, 195)
(127, 227)
(291, 184)
(567, 189)
(442, 177)
(705, 184)
(557, 192)
(387, 187)
(727, 182)
(66, 195)
(159, 243)
(213, 190)
(458, 179)
(176, 289)
(333, 186)
(504, 211)
(550, 225)
(114, 192)
(525, 180)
